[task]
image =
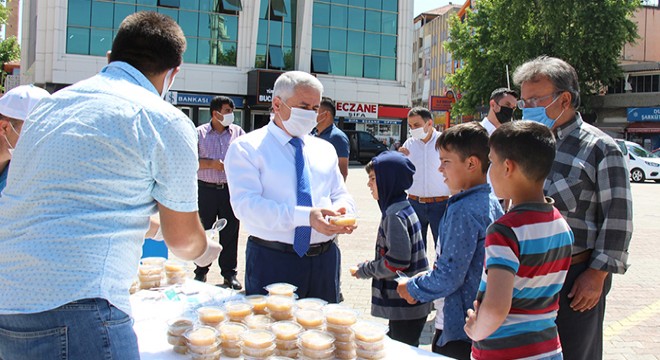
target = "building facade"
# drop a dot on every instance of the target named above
(358, 49)
(630, 108)
(432, 62)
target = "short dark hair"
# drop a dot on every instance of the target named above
(369, 167)
(529, 144)
(421, 111)
(467, 139)
(329, 104)
(150, 42)
(218, 101)
(498, 94)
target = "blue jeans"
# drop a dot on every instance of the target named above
(84, 329)
(429, 214)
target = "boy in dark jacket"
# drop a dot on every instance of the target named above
(399, 246)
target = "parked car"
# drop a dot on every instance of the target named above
(624, 151)
(643, 165)
(364, 146)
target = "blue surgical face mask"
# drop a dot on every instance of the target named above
(538, 114)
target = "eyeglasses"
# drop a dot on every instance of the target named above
(529, 103)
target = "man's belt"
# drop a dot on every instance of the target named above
(428, 200)
(212, 185)
(314, 249)
(581, 257)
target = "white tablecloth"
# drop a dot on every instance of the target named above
(152, 309)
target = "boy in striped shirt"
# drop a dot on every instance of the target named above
(528, 252)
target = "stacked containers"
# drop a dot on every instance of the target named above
(280, 307)
(203, 343)
(258, 321)
(286, 333)
(175, 330)
(257, 344)
(230, 335)
(370, 340)
(316, 345)
(258, 303)
(176, 271)
(238, 310)
(339, 320)
(310, 319)
(283, 289)
(211, 316)
(150, 271)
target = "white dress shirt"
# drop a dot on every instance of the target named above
(427, 180)
(488, 125)
(261, 174)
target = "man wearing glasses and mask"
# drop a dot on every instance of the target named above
(591, 188)
(502, 104)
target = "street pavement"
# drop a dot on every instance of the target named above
(632, 320)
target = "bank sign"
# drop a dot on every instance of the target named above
(352, 110)
(644, 114)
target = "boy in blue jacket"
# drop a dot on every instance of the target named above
(470, 210)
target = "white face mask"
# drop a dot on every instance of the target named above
(167, 84)
(419, 133)
(11, 148)
(300, 122)
(227, 119)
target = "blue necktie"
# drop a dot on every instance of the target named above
(303, 197)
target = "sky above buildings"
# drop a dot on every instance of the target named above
(425, 5)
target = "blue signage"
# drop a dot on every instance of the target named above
(178, 98)
(373, 121)
(644, 114)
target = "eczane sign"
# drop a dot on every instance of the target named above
(352, 110)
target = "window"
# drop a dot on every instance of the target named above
(275, 57)
(276, 35)
(169, 3)
(320, 62)
(360, 37)
(210, 26)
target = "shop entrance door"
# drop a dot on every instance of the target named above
(259, 119)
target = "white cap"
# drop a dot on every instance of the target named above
(19, 101)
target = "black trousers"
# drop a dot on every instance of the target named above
(455, 349)
(581, 333)
(214, 204)
(407, 331)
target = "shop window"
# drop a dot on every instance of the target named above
(229, 6)
(275, 57)
(321, 62)
(169, 3)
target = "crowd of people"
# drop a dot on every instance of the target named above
(529, 218)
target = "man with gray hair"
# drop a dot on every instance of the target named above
(283, 183)
(591, 188)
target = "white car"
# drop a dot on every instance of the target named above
(643, 165)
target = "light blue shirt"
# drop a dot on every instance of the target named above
(92, 161)
(261, 174)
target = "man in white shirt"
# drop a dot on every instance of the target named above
(502, 103)
(266, 189)
(428, 194)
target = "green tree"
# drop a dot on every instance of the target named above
(587, 34)
(9, 48)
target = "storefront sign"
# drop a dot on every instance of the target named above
(260, 86)
(441, 103)
(357, 110)
(644, 114)
(371, 121)
(178, 98)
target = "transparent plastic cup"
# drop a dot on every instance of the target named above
(258, 339)
(211, 315)
(369, 331)
(258, 321)
(311, 303)
(345, 354)
(339, 315)
(283, 289)
(316, 340)
(286, 330)
(310, 318)
(238, 310)
(231, 331)
(285, 354)
(258, 303)
(178, 326)
(202, 339)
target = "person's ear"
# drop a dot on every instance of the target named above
(492, 104)
(176, 71)
(565, 100)
(509, 166)
(4, 126)
(472, 162)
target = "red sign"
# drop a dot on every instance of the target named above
(441, 103)
(357, 110)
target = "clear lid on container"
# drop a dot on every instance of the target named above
(369, 331)
(316, 340)
(336, 314)
(286, 329)
(311, 303)
(201, 336)
(258, 338)
(281, 289)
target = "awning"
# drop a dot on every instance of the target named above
(644, 128)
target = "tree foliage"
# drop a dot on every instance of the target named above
(587, 34)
